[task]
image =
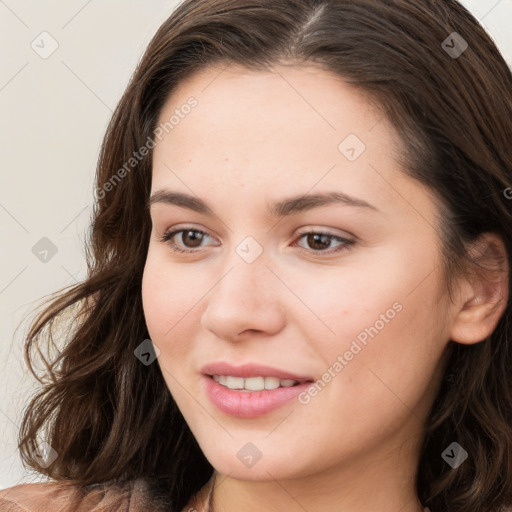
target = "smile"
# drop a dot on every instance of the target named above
(253, 383)
(241, 402)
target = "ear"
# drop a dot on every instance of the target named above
(484, 292)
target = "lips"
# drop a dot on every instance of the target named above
(252, 370)
(243, 403)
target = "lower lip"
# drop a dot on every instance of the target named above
(250, 404)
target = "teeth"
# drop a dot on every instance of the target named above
(234, 382)
(253, 383)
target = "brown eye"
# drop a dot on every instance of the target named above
(191, 235)
(319, 242)
(190, 239)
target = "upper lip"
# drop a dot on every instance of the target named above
(250, 370)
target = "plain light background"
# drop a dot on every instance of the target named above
(54, 114)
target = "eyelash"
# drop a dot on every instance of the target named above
(166, 238)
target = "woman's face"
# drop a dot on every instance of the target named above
(344, 295)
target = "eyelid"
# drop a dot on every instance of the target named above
(172, 232)
(325, 231)
(346, 242)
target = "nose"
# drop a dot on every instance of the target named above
(245, 301)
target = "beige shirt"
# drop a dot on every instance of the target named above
(64, 497)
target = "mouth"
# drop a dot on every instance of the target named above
(258, 383)
(230, 375)
(250, 391)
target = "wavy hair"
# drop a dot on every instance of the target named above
(112, 419)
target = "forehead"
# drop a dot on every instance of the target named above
(241, 115)
(278, 97)
(287, 129)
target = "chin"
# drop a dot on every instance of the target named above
(266, 469)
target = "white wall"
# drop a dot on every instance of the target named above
(54, 114)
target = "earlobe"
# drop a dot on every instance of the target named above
(485, 294)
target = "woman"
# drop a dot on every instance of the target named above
(298, 288)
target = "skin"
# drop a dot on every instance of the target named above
(258, 137)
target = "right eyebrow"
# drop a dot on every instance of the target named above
(180, 199)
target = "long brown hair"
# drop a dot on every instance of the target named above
(112, 419)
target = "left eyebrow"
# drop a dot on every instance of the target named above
(281, 208)
(304, 202)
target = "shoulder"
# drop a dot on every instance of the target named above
(65, 496)
(36, 497)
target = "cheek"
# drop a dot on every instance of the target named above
(388, 360)
(163, 305)
(160, 306)
(153, 297)
(339, 305)
(170, 305)
(385, 323)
